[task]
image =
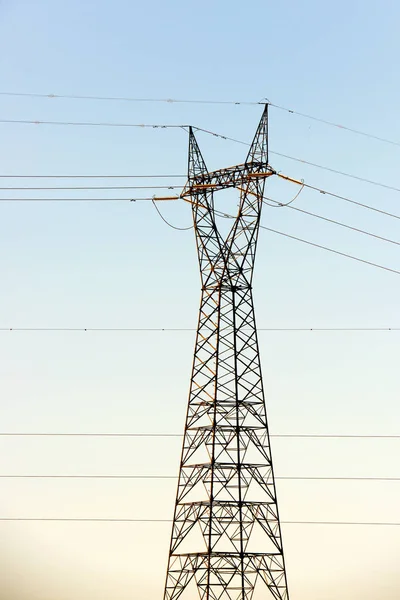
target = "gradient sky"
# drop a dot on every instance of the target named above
(119, 265)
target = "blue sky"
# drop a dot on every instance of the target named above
(119, 265)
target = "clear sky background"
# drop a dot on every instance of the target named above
(105, 265)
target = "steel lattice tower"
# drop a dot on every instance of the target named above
(226, 533)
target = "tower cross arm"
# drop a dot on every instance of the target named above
(234, 177)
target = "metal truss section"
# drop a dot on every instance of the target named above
(226, 536)
(225, 178)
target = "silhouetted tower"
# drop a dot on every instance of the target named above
(226, 533)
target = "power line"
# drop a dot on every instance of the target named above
(337, 172)
(142, 199)
(306, 162)
(367, 262)
(310, 244)
(170, 198)
(198, 101)
(97, 187)
(345, 198)
(167, 222)
(320, 246)
(173, 329)
(84, 520)
(129, 99)
(159, 126)
(388, 479)
(178, 435)
(91, 176)
(285, 177)
(333, 221)
(122, 520)
(337, 125)
(263, 227)
(93, 124)
(340, 523)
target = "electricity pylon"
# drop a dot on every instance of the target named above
(226, 533)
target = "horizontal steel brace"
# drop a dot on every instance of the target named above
(225, 178)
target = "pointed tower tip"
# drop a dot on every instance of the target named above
(196, 164)
(258, 152)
